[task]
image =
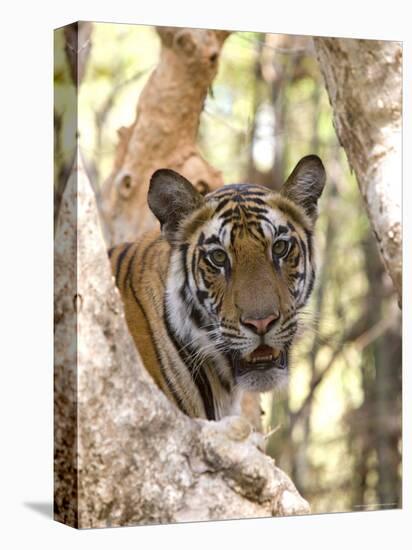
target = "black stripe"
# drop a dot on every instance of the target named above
(221, 205)
(120, 259)
(293, 244)
(194, 266)
(237, 193)
(217, 303)
(280, 229)
(262, 218)
(159, 361)
(250, 198)
(213, 268)
(235, 215)
(213, 239)
(203, 273)
(256, 209)
(234, 229)
(127, 277)
(200, 379)
(193, 312)
(196, 316)
(291, 213)
(183, 250)
(257, 233)
(308, 260)
(221, 195)
(310, 286)
(259, 230)
(297, 276)
(234, 219)
(144, 257)
(230, 212)
(292, 325)
(234, 336)
(309, 239)
(202, 295)
(291, 316)
(305, 262)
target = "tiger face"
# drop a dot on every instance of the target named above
(242, 268)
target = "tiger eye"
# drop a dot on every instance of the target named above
(218, 257)
(280, 248)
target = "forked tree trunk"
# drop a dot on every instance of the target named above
(364, 82)
(124, 454)
(164, 133)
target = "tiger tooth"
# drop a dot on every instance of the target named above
(260, 359)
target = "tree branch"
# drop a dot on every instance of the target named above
(164, 133)
(364, 82)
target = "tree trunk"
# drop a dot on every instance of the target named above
(364, 82)
(164, 132)
(77, 46)
(124, 454)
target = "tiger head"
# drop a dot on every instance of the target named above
(241, 267)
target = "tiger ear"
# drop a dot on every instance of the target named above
(171, 198)
(305, 184)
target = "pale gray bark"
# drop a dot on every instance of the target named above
(124, 454)
(364, 82)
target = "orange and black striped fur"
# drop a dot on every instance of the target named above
(213, 301)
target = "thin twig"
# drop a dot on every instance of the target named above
(273, 431)
(366, 338)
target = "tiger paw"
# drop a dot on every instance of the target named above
(229, 440)
(230, 446)
(237, 428)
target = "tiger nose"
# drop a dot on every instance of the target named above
(261, 326)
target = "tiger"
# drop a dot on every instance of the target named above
(213, 297)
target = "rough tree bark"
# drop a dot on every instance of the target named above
(164, 132)
(77, 48)
(124, 454)
(364, 82)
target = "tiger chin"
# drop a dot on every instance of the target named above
(213, 299)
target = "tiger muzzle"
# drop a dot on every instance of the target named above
(263, 358)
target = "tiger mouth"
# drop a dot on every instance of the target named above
(263, 358)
